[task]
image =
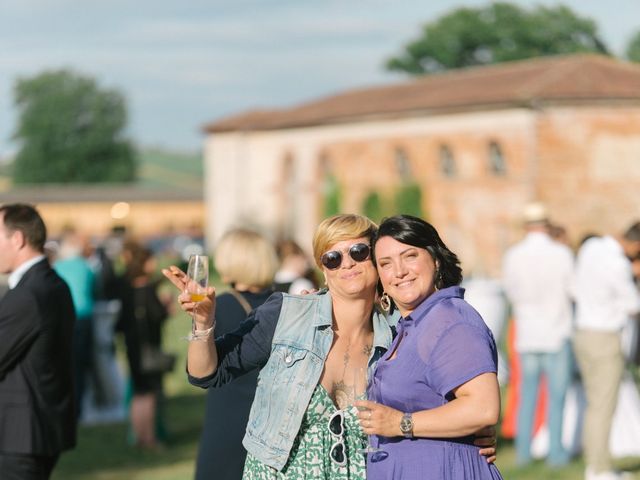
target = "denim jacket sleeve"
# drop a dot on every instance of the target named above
(246, 348)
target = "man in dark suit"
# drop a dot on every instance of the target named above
(37, 411)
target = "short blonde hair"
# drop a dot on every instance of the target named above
(338, 228)
(245, 256)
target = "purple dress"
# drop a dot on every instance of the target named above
(445, 343)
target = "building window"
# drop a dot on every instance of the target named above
(447, 162)
(403, 166)
(497, 163)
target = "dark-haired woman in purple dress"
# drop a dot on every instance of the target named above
(436, 384)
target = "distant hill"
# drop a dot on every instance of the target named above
(157, 169)
(5, 176)
(162, 168)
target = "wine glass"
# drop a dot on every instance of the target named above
(360, 385)
(197, 283)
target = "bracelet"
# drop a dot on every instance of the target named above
(202, 334)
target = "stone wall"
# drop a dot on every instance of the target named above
(584, 162)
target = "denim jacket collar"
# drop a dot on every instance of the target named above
(382, 335)
(325, 310)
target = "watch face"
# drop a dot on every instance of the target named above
(406, 425)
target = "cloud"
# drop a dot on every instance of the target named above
(182, 63)
(247, 32)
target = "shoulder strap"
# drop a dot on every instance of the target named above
(241, 300)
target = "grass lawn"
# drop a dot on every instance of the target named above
(103, 453)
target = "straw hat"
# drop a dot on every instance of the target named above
(535, 212)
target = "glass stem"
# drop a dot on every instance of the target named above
(193, 321)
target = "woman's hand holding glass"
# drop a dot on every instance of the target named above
(197, 284)
(365, 415)
(378, 419)
(200, 311)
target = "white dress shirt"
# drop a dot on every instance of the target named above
(605, 292)
(19, 272)
(537, 275)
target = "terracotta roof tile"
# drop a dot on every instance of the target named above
(582, 77)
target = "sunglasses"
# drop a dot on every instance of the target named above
(333, 259)
(336, 428)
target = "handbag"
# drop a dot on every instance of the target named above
(154, 360)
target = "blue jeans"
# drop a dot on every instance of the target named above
(557, 368)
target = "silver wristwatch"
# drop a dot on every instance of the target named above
(406, 425)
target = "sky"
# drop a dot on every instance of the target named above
(184, 63)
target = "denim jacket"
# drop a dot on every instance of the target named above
(291, 366)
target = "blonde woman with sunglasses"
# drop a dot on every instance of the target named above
(302, 423)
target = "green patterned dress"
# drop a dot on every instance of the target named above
(309, 458)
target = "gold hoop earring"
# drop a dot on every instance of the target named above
(385, 302)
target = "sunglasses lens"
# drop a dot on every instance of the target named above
(336, 427)
(335, 423)
(332, 259)
(337, 453)
(359, 252)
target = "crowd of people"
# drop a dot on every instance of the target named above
(568, 306)
(113, 295)
(380, 370)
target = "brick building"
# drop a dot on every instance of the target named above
(481, 142)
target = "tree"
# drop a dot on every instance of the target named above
(372, 206)
(633, 49)
(70, 130)
(496, 33)
(331, 196)
(408, 200)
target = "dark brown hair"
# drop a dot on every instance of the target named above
(416, 232)
(24, 218)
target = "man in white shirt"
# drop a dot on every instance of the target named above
(537, 274)
(606, 296)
